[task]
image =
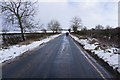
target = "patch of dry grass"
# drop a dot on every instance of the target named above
(80, 37)
(92, 41)
(31, 40)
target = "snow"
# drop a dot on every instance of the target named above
(65, 31)
(33, 32)
(16, 50)
(108, 54)
(25, 32)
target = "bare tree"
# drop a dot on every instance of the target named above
(69, 30)
(99, 27)
(19, 13)
(54, 25)
(84, 28)
(76, 23)
(108, 27)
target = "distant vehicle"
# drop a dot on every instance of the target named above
(67, 33)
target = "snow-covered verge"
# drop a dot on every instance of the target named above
(25, 32)
(17, 50)
(109, 54)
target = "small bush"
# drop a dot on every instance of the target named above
(97, 48)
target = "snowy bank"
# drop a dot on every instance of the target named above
(16, 50)
(109, 54)
(25, 32)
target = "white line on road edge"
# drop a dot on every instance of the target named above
(90, 62)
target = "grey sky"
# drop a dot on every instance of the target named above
(91, 13)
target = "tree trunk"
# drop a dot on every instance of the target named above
(22, 34)
(21, 27)
(56, 31)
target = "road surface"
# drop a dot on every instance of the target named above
(60, 58)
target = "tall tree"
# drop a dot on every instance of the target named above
(54, 25)
(19, 13)
(76, 23)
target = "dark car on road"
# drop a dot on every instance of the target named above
(67, 33)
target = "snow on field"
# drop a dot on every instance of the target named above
(107, 53)
(25, 32)
(16, 50)
(33, 32)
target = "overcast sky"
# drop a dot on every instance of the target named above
(92, 12)
(104, 12)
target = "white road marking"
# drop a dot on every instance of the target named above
(91, 62)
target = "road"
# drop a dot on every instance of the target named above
(60, 58)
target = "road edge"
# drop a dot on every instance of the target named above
(103, 64)
(25, 54)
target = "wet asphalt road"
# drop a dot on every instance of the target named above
(59, 58)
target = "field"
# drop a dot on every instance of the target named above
(107, 36)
